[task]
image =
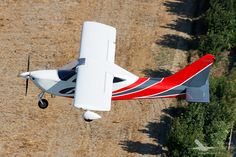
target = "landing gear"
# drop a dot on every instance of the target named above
(88, 120)
(42, 103)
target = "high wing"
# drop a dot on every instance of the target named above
(94, 79)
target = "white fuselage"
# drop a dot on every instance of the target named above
(62, 82)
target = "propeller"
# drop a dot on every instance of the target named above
(27, 78)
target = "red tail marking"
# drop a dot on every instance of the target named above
(173, 80)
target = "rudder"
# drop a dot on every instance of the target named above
(198, 94)
(197, 88)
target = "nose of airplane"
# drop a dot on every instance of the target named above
(25, 75)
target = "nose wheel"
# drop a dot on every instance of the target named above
(42, 103)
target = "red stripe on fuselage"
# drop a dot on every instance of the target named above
(135, 84)
(173, 80)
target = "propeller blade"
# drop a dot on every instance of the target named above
(27, 80)
(28, 64)
(26, 86)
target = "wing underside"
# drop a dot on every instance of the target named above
(94, 81)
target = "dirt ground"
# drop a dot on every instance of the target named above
(50, 32)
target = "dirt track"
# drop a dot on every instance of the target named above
(50, 32)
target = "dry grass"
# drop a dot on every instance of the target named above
(50, 32)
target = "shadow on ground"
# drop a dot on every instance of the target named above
(193, 27)
(189, 22)
(181, 8)
(157, 131)
(141, 148)
(232, 60)
(178, 42)
(234, 143)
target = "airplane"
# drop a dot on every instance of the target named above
(201, 147)
(94, 80)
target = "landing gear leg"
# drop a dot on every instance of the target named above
(42, 103)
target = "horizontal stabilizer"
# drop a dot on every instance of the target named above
(198, 94)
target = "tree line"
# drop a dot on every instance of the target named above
(220, 20)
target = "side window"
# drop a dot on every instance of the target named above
(65, 75)
(117, 79)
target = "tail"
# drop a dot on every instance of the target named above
(195, 78)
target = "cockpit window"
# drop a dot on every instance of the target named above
(65, 75)
(117, 79)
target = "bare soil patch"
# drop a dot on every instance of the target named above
(50, 32)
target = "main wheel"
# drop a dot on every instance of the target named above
(88, 120)
(43, 104)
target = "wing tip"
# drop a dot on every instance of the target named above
(99, 24)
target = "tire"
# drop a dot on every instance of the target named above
(44, 104)
(88, 120)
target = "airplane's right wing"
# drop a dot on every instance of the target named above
(94, 81)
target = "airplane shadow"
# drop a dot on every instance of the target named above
(157, 131)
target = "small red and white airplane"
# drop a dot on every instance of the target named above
(94, 79)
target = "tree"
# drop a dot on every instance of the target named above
(221, 22)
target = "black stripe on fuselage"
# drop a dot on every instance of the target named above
(144, 85)
(70, 90)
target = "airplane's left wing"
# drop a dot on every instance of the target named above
(70, 65)
(94, 81)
